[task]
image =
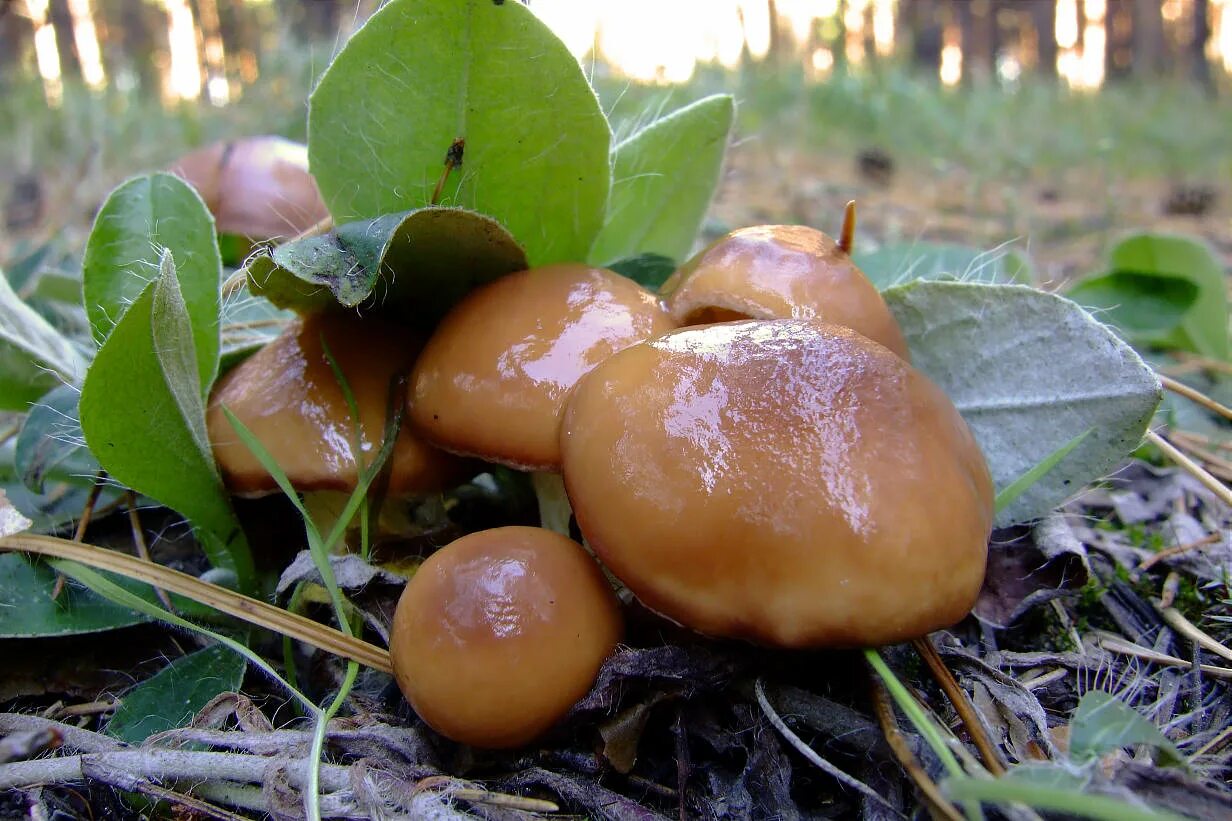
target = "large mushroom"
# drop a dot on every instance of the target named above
(782, 481)
(493, 378)
(780, 272)
(289, 396)
(500, 632)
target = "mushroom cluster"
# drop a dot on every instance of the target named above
(749, 452)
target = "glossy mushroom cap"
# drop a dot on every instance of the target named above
(781, 481)
(498, 634)
(493, 378)
(257, 187)
(288, 395)
(780, 272)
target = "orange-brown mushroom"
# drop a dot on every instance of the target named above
(499, 633)
(782, 481)
(256, 187)
(289, 396)
(780, 272)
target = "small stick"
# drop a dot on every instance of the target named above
(938, 804)
(1200, 439)
(1116, 644)
(1206, 363)
(453, 159)
(1177, 621)
(1168, 553)
(962, 704)
(1202, 399)
(847, 236)
(9, 432)
(1213, 744)
(143, 551)
(87, 513)
(1172, 585)
(1193, 468)
(90, 708)
(1214, 463)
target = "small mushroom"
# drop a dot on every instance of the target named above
(493, 378)
(288, 395)
(780, 272)
(499, 633)
(782, 481)
(256, 187)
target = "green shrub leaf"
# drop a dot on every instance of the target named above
(663, 178)
(903, 262)
(27, 609)
(139, 220)
(422, 74)
(1103, 723)
(1163, 290)
(1029, 371)
(34, 356)
(144, 419)
(414, 265)
(173, 695)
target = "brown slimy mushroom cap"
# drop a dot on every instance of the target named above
(493, 378)
(499, 633)
(288, 395)
(780, 272)
(782, 481)
(257, 187)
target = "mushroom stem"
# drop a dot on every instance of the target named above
(554, 508)
(848, 234)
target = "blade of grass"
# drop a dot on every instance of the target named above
(919, 719)
(1009, 791)
(1019, 486)
(253, 611)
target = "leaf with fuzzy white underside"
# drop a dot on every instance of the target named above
(34, 356)
(1029, 371)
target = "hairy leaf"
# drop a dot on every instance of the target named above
(663, 178)
(414, 265)
(1029, 372)
(27, 609)
(1103, 723)
(51, 443)
(145, 422)
(139, 221)
(34, 356)
(903, 262)
(424, 74)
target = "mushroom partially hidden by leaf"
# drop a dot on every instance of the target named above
(499, 633)
(782, 481)
(289, 396)
(256, 187)
(780, 272)
(493, 378)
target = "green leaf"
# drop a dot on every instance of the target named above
(663, 178)
(141, 219)
(1102, 723)
(414, 265)
(1162, 275)
(900, 263)
(145, 422)
(248, 324)
(1029, 371)
(648, 270)
(1149, 309)
(424, 73)
(34, 356)
(173, 695)
(51, 443)
(28, 611)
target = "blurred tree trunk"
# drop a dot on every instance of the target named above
(776, 55)
(1044, 17)
(1148, 38)
(923, 19)
(1200, 65)
(62, 19)
(1119, 51)
(977, 19)
(16, 35)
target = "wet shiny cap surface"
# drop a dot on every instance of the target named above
(493, 378)
(780, 272)
(288, 395)
(499, 633)
(781, 481)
